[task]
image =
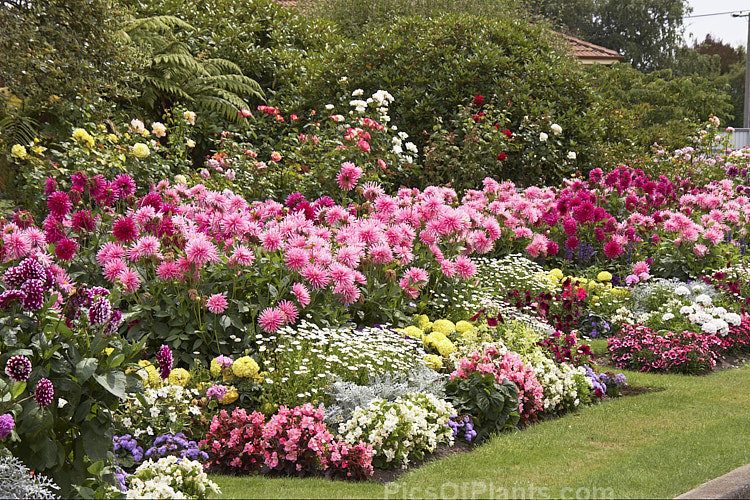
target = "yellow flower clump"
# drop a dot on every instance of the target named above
(424, 321)
(464, 326)
(440, 342)
(179, 376)
(433, 361)
(413, 331)
(231, 395)
(149, 374)
(245, 367)
(444, 326)
(604, 276)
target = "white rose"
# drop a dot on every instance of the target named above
(556, 129)
(543, 137)
(572, 155)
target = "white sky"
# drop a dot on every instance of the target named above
(731, 30)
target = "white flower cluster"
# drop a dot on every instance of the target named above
(170, 477)
(166, 408)
(313, 356)
(402, 429)
(712, 320)
(398, 147)
(562, 383)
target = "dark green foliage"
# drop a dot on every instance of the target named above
(664, 107)
(493, 406)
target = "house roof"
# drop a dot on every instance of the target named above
(589, 53)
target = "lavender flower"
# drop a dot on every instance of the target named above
(6, 425)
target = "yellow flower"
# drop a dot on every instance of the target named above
(112, 138)
(231, 395)
(18, 151)
(444, 326)
(190, 143)
(424, 320)
(604, 276)
(38, 150)
(245, 367)
(179, 376)
(433, 361)
(413, 331)
(140, 150)
(556, 273)
(433, 339)
(109, 350)
(445, 347)
(83, 137)
(464, 326)
(189, 117)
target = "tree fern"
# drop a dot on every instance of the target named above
(172, 73)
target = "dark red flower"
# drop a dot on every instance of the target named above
(478, 100)
(502, 156)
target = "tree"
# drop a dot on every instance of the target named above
(646, 32)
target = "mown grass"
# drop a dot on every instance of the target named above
(685, 431)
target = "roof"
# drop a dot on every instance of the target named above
(589, 53)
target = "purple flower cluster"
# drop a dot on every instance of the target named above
(6, 425)
(127, 443)
(100, 311)
(18, 368)
(600, 382)
(29, 280)
(465, 424)
(217, 392)
(164, 358)
(175, 444)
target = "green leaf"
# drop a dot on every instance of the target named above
(116, 360)
(85, 368)
(114, 383)
(96, 468)
(17, 389)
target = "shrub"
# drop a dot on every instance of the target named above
(75, 372)
(492, 405)
(505, 365)
(432, 65)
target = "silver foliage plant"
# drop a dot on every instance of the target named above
(16, 481)
(345, 397)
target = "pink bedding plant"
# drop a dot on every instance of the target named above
(506, 366)
(639, 347)
(232, 263)
(293, 441)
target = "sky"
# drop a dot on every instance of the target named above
(730, 30)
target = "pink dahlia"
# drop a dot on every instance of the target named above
(217, 303)
(125, 230)
(59, 204)
(348, 176)
(302, 294)
(464, 267)
(200, 251)
(612, 249)
(65, 250)
(290, 311)
(271, 319)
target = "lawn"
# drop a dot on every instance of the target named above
(655, 445)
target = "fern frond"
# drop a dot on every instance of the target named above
(158, 24)
(238, 84)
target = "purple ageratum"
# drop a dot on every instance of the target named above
(44, 393)
(6, 425)
(164, 358)
(18, 368)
